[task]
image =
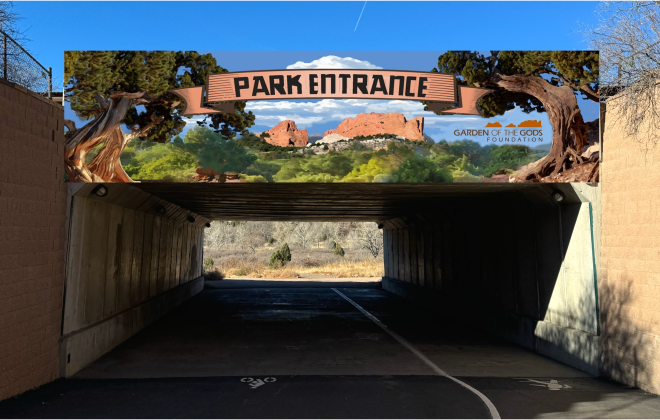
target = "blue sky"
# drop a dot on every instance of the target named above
(418, 30)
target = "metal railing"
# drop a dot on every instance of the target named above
(18, 66)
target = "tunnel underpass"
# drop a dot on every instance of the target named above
(487, 283)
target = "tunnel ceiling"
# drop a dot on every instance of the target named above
(322, 202)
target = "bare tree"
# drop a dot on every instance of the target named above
(21, 68)
(219, 235)
(283, 231)
(255, 234)
(262, 230)
(8, 20)
(370, 238)
(238, 236)
(304, 233)
(628, 38)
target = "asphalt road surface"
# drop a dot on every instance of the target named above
(243, 349)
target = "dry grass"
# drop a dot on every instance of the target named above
(305, 263)
(233, 267)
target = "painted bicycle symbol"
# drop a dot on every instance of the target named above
(256, 383)
(552, 385)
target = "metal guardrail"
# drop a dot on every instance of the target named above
(18, 66)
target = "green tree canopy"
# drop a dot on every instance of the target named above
(92, 73)
(215, 152)
(575, 69)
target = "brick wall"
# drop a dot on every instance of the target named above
(32, 213)
(629, 287)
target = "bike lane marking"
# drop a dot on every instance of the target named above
(491, 407)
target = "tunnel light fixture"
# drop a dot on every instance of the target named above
(100, 190)
(380, 225)
(191, 219)
(558, 196)
(159, 209)
(207, 224)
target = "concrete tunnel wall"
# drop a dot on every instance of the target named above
(127, 265)
(517, 265)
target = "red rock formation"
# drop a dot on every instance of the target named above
(287, 134)
(530, 123)
(371, 124)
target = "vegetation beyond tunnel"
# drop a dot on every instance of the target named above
(312, 250)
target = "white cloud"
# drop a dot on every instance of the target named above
(334, 62)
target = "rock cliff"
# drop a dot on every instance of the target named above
(286, 134)
(371, 124)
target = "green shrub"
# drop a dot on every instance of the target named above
(507, 157)
(332, 245)
(276, 260)
(465, 176)
(208, 264)
(339, 250)
(280, 257)
(286, 252)
(253, 178)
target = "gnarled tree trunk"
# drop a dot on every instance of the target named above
(568, 127)
(106, 129)
(106, 164)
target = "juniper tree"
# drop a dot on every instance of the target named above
(131, 88)
(535, 81)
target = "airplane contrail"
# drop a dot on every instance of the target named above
(358, 22)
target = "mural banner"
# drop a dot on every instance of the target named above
(439, 89)
(228, 117)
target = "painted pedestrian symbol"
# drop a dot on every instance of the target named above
(256, 383)
(552, 384)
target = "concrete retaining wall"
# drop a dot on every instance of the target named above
(32, 207)
(80, 348)
(122, 255)
(517, 265)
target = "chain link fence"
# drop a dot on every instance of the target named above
(18, 66)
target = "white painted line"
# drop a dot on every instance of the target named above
(491, 407)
